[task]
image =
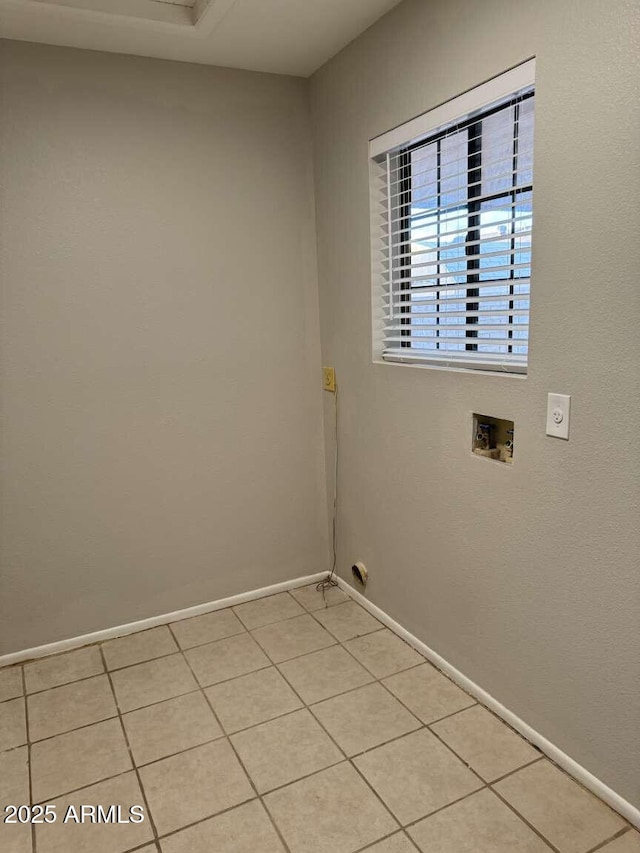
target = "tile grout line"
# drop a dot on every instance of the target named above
(395, 832)
(231, 734)
(524, 820)
(64, 684)
(155, 844)
(28, 737)
(204, 819)
(355, 636)
(336, 641)
(375, 746)
(235, 752)
(182, 648)
(517, 770)
(12, 699)
(285, 592)
(77, 729)
(440, 719)
(410, 824)
(82, 787)
(379, 678)
(333, 642)
(459, 757)
(333, 695)
(130, 751)
(619, 834)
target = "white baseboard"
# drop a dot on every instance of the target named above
(591, 782)
(622, 806)
(153, 621)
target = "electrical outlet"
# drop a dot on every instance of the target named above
(329, 379)
(558, 410)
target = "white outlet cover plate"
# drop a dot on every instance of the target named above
(558, 411)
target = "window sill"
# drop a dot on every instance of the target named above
(424, 365)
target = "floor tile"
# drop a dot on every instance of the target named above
(416, 775)
(292, 638)
(364, 718)
(13, 728)
(15, 838)
(245, 829)
(70, 706)
(398, 843)
(480, 823)
(170, 726)
(628, 843)
(485, 743)
(226, 659)
(330, 812)
(61, 669)
(10, 682)
(136, 648)
(346, 621)
(14, 777)
(383, 653)
(313, 599)
(152, 681)
(263, 611)
(252, 699)
(323, 674)
(90, 837)
(77, 759)
(194, 785)
(14, 790)
(283, 750)
(206, 628)
(428, 693)
(568, 816)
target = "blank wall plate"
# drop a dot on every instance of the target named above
(558, 411)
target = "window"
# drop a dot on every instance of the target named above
(452, 225)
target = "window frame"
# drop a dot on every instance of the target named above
(465, 112)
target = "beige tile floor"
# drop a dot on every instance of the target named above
(290, 724)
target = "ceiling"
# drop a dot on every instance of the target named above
(279, 36)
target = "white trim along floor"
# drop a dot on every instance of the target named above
(282, 720)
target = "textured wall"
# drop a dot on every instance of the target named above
(525, 578)
(161, 436)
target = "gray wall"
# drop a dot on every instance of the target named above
(162, 439)
(525, 578)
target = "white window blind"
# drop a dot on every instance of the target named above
(452, 231)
